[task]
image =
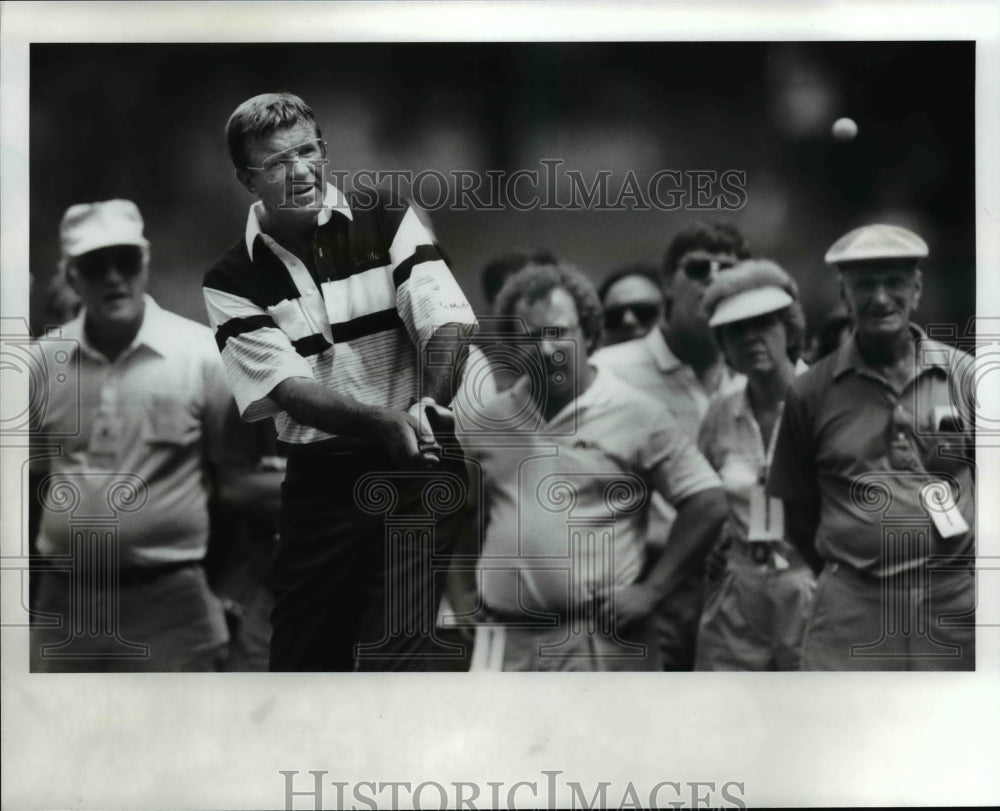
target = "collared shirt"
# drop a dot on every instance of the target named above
(648, 364)
(731, 441)
(378, 290)
(567, 498)
(132, 437)
(861, 450)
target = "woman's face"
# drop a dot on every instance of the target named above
(755, 346)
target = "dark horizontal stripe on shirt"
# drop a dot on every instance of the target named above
(423, 253)
(353, 247)
(238, 326)
(311, 345)
(265, 282)
(366, 325)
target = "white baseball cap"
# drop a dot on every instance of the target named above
(87, 227)
(749, 304)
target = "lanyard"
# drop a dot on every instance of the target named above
(772, 442)
(772, 525)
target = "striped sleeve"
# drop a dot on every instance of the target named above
(256, 354)
(427, 295)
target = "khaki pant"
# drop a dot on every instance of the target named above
(172, 623)
(920, 620)
(562, 648)
(755, 615)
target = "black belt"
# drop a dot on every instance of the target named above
(760, 552)
(144, 575)
(317, 466)
(128, 576)
(324, 448)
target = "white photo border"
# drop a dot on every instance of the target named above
(219, 741)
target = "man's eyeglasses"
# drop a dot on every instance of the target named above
(700, 269)
(273, 166)
(644, 312)
(126, 259)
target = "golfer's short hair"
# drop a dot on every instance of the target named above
(259, 117)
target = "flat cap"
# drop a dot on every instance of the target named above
(872, 243)
(86, 227)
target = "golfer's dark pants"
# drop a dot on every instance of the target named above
(360, 564)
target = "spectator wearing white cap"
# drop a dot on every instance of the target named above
(873, 464)
(135, 448)
(755, 609)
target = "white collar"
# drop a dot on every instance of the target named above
(154, 332)
(333, 200)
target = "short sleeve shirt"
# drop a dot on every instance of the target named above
(133, 438)
(732, 443)
(648, 365)
(356, 323)
(860, 451)
(568, 499)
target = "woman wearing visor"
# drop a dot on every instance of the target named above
(755, 609)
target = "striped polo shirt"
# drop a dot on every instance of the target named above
(378, 291)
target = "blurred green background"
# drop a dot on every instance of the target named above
(145, 122)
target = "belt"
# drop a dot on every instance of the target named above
(760, 553)
(918, 576)
(128, 576)
(325, 448)
(144, 575)
(585, 611)
(320, 467)
(320, 470)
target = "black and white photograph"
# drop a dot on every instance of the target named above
(507, 405)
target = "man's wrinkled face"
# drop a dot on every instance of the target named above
(287, 171)
(881, 299)
(111, 283)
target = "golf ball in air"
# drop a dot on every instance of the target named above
(844, 129)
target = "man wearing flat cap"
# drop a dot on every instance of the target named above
(873, 464)
(132, 454)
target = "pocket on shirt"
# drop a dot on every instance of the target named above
(169, 422)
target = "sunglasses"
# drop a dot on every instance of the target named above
(94, 265)
(699, 270)
(644, 312)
